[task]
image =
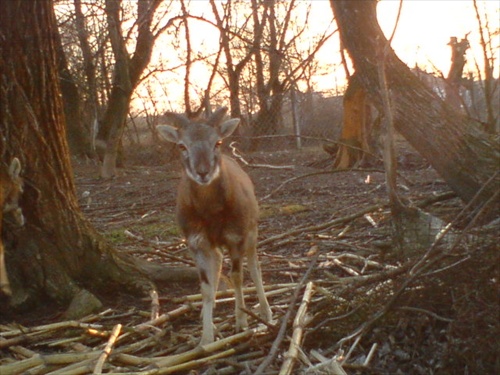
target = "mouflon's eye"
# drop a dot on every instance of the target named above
(182, 147)
(218, 144)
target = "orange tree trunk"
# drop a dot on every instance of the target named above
(354, 143)
(57, 252)
(464, 155)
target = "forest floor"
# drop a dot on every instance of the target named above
(324, 244)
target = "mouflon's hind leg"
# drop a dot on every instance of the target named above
(239, 298)
(256, 275)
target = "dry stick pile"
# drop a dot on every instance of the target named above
(129, 343)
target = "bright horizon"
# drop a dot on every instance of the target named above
(427, 45)
(423, 32)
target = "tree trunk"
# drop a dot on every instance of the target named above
(78, 139)
(461, 152)
(454, 79)
(113, 126)
(267, 70)
(127, 73)
(354, 144)
(91, 105)
(57, 253)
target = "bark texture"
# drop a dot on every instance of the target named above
(57, 253)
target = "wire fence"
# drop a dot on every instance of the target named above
(307, 121)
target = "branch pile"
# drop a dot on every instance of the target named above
(346, 310)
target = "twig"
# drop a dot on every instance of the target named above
(21, 367)
(281, 288)
(161, 250)
(351, 349)
(328, 224)
(424, 311)
(107, 350)
(237, 155)
(155, 304)
(420, 266)
(370, 355)
(200, 351)
(342, 266)
(281, 334)
(184, 309)
(433, 248)
(259, 319)
(299, 323)
(295, 178)
(326, 365)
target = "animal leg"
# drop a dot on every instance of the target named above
(209, 263)
(256, 274)
(237, 278)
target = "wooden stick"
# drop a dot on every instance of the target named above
(237, 155)
(317, 227)
(281, 334)
(200, 351)
(21, 367)
(184, 309)
(230, 292)
(320, 173)
(197, 362)
(298, 328)
(107, 350)
(155, 304)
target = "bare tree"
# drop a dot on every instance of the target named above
(90, 70)
(230, 39)
(85, 63)
(490, 85)
(455, 79)
(78, 138)
(464, 155)
(127, 73)
(279, 63)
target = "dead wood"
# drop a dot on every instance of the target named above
(358, 288)
(281, 333)
(299, 324)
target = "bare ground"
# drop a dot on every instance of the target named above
(330, 226)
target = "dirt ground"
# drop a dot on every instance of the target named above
(295, 189)
(329, 225)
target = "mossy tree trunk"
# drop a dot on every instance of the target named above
(465, 156)
(57, 253)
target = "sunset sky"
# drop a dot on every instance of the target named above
(425, 28)
(422, 35)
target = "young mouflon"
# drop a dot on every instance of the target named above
(216, 210)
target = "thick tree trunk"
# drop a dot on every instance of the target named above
(462, 153)
(57, 253)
